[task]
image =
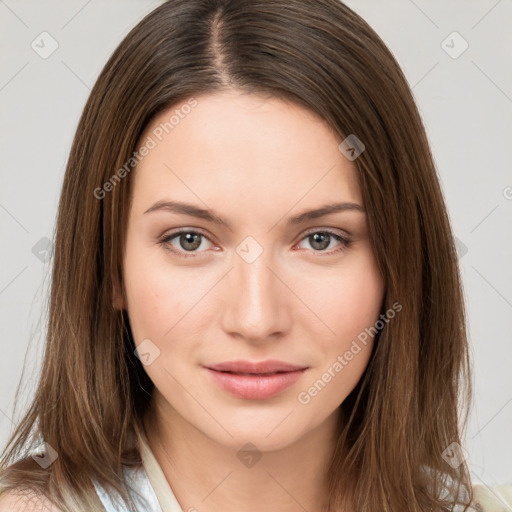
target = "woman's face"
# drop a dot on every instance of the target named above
(264, 283)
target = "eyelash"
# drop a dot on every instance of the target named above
(165, 242)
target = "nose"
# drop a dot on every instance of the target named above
(257, 303)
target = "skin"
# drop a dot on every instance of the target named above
(255, 161)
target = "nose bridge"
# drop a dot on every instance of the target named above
(255, 308)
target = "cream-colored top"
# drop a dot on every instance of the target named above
(156, 477)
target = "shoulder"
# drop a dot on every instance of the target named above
(25, 500)
(486, 498)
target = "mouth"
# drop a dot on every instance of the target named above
(255, 383)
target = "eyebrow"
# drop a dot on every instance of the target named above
(211, 216)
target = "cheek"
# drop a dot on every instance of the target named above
(359, 304)
(153, 303)
(165, 303)
(345, 301)
(350, 306)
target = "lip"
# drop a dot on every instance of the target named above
(259, 367)
(255, 381)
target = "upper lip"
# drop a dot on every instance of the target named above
(269, 366)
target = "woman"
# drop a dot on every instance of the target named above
(255, 300)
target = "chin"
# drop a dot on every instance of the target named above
(265, 432)
(251, 439)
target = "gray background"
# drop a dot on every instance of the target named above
(465, 99)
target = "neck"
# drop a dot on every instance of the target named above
(207, 476)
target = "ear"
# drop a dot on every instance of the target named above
(118, 299)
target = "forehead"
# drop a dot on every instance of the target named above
(231, 144)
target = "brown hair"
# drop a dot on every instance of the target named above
(93, 390)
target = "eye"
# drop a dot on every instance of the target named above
(321, 240)
(187, 241)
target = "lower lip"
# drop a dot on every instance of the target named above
(255, 387)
